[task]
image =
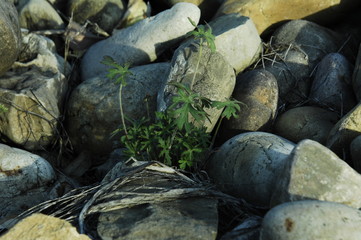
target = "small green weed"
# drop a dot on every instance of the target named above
(3, 109)
(118, 74)
(177, 137)
(203, 35)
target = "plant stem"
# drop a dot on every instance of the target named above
(198, 61)
(121, 110)
(215, 133)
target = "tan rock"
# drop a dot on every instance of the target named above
(9, 35)
(257, 91)
(40, 226)
(346, 129)
(265, 13)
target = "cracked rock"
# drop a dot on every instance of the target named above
(247, 165)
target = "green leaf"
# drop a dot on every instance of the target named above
(116, 72)
(3, 109)
(192, 22)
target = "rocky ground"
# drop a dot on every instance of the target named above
(286, 168)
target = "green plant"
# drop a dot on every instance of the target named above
(173, 138)
(203, 35)
(177, 136)
(3, 109)
(118, 74)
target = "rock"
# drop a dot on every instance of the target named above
(24, 180)
(21, 171)
(208, 7)
(9, 35)
(247, 165)
(355, 151)
(59, 4)
(267, 13)
(312, 171)
(40, 226)
(257, 91)
(248, 230)
(33, 91)
(181, 219)
(40, 15)
(158, 205)
(311, 220)
(307, 122)
(236, 38)
(299, 45)
(137, 10)
(143, 42)
(11, 207)
(210, 75)
(120, 169)
(331, 86)
(345, 130)
(106, 13)
(356, 78)
(114, 158)
(313, 40)
(93, 110)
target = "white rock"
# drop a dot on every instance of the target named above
(237, 39)
(209, 75)
(305, 220)
(312, 171)
(39, 15)
(142, 42)
(21, 171)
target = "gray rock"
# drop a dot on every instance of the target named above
(331, 86)
(34, 92)
(94, 113)
(237, 39)
(21, 171)
(248, 230)
(311, 220)
(39, 15)
(106, 13)
(355, 152)
(115, 157)
(141, 43)
(9, 35)
(300, 45)
(345, 130)
(356, 77)
(312, 171)
(214, 78)
(151, 212)
(40, 226)
(306, 122)
(312, 39)
(258, 92)
(193, 218)
(121, 168)
(247, 165)
(15, 205)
